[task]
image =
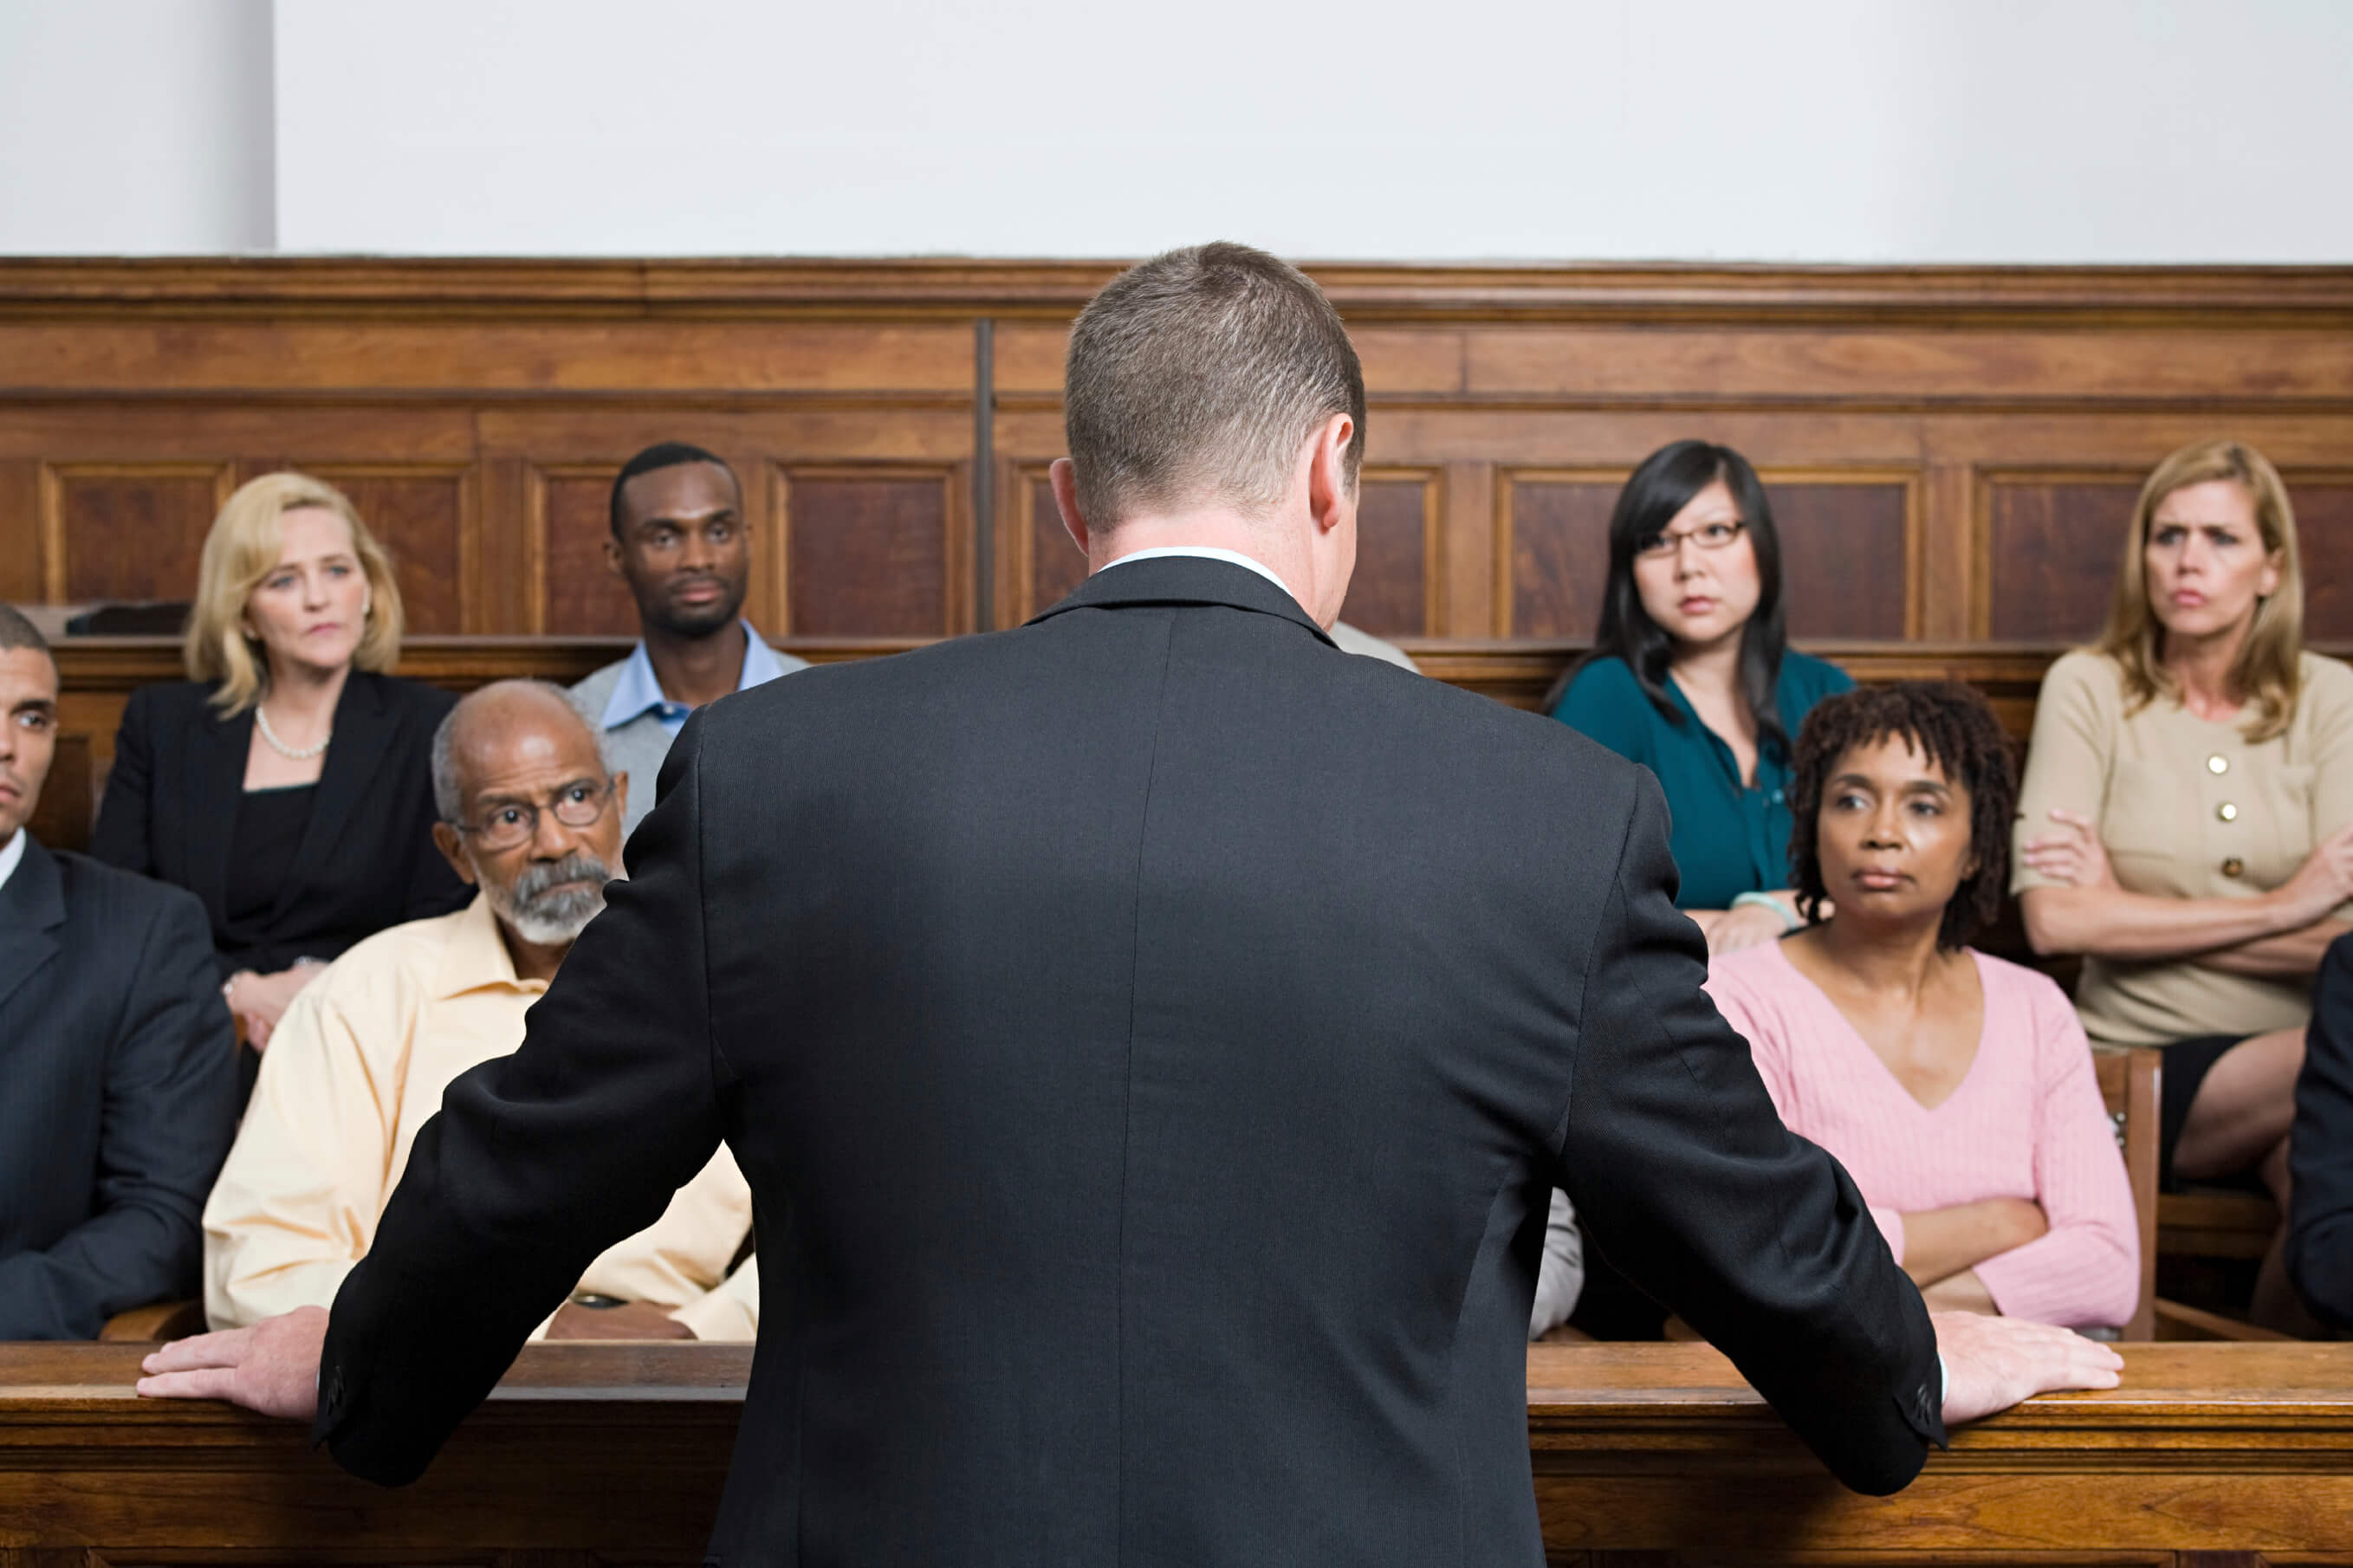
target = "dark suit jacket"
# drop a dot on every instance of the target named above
(367, 859)
(117, 1094)
(1151, 1036)
(2320, 1149)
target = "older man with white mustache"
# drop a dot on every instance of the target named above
(531, 817)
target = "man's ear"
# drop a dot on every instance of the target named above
(613, 561)
(452, 845)
(1330, 494)
(621, 794)
(1065, 479)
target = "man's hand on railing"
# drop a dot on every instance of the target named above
(1991, 1363)
(272, 1366)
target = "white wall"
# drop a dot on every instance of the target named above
(2122, 130)
(132, 127)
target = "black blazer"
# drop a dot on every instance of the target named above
(2320, 1149)
(117, 1094)
(367, 859)
(1151, 1036)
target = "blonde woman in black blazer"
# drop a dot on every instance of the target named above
(287, 784)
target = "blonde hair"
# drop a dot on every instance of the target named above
(241, 550)
(2268, 671)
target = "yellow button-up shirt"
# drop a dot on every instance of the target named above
(352, 1072)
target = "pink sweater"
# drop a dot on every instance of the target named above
(2026, 1121)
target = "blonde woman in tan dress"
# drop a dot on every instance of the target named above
(2187, 819)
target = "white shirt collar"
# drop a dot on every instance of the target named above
(1206, 552)
(10, 853)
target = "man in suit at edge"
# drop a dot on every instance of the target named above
(118, 1058)
(1152, 1036)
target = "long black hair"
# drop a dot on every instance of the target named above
(1664, 485)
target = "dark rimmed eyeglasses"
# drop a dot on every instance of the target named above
(513, 822)
(1707, 536)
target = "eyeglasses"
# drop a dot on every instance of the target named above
(1707, 536)
(576, 804)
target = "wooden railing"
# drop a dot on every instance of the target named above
(594, 1455)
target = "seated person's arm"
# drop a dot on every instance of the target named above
(2077, 907)
(674, 1275)
(2289, 956)
(296, 1206)
(2320, 1150)
(1940, 1245)
(170, 1106)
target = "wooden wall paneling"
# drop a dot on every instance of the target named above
(1397, 589)
(2047, 550)
(23, 577)
(128, 531)
(1850, 552)
(1552, 550)
(506, 560)
(2324, 531)
(877, 551)
(571, 517)
(1050, 565)
(1945, 553)
(1468, 605)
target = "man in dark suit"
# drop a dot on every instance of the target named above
(117, 1065)
(1152, 1036)
(2319, 1246)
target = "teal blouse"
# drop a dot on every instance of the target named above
(1727, 839)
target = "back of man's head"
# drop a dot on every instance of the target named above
(1194, 378)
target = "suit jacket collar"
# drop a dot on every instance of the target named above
(217, 778)
(1184, 580)
(32, 911)
(365, 721)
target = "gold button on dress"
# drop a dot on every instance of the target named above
(2227, 811)
(2234, 867)
(2218, 764)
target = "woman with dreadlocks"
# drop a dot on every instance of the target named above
(1957, 1089)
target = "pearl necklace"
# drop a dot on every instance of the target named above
(291, 754)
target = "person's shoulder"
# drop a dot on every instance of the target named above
(2044, 996)
(1605, 679)
(1748, 972)
(398, 692)
(2085, 671)
(591, 692)
(2326, 680)
(92, 888)
(393, 957)
(170, 702)
(1813, 679)
(96, 878)
(1353, 639)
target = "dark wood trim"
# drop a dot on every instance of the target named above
(1663, 293)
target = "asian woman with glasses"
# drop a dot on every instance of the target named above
(1691, 675)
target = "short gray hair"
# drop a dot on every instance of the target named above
(449, 795)
(1197, 375)
(18, 631)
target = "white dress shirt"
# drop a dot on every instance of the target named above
(10, 853)
(1207, 552)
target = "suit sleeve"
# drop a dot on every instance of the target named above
(165, 1121)
(2320, 1150)
(538, 1161)
(121, 837)
(1687, 1181)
